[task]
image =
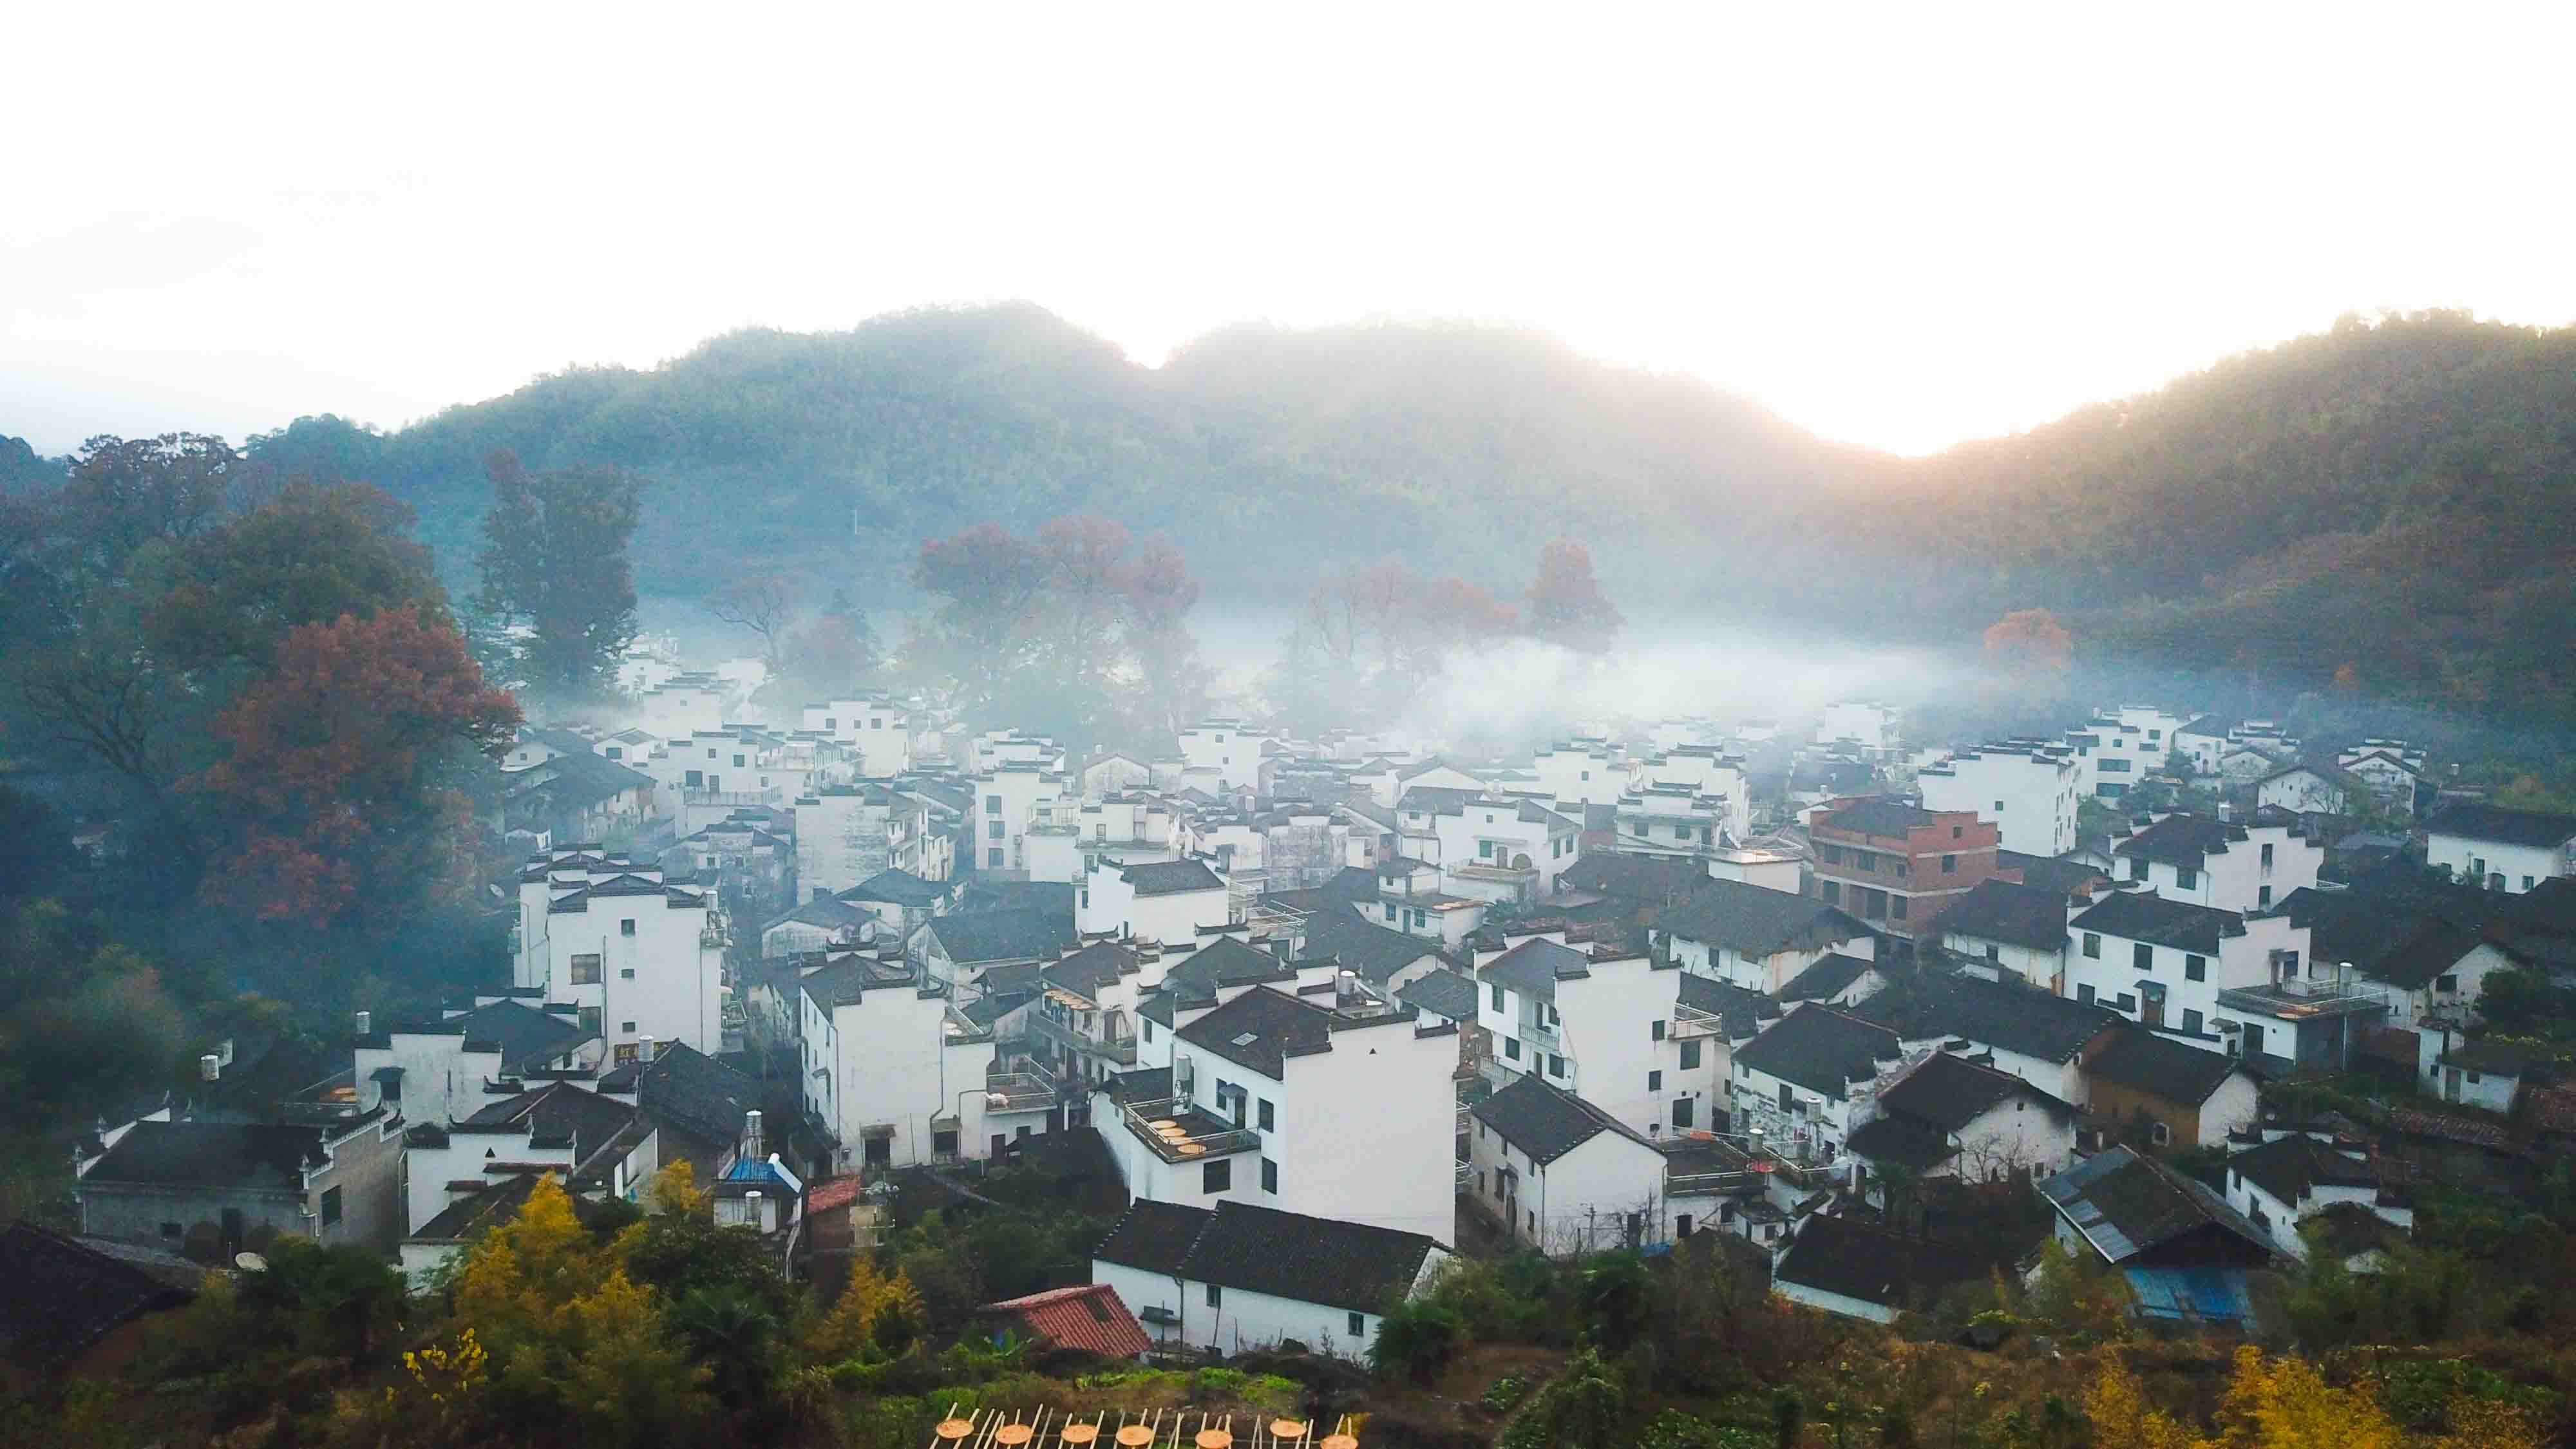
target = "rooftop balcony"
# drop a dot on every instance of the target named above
(1121, 1050)
(1690, 1022)
(1180, 1132)
(1029, 1090)
(2295, 999)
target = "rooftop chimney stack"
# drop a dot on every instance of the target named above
(366, 1023)
(210, 1067)
(644, 1050)
(752, 1151)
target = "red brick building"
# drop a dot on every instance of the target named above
(1897, 866)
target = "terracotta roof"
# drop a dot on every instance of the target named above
(824, 1196)
(1086, 1316)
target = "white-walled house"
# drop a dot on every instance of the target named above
(1948, 1116)
(1581, 772)
(636, 954)
(1564, 1176)
(2027, 787)
(904, 1080)
(1170, 901)
(1599, 1021)
(2391, 770)
(2006, 928)
(2164, 963)
(1241, 1277)
(2501, 849)
(2306, 789)
(876, 726)
(2234, 866)
(1268, 1091)
(1228, 747)
(1797, 1083)
(1499, 850)
(2042, 1038)
(2293, 1175)
(1757, 938)
(846, 834)
(1011, 795)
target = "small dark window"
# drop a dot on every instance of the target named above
(1949, 865)
(1216, 1177)
(2195, 968)
(330, 1206)
(1269, 1116)
(1555, 1065)
(626, 927)
(1658, 1029)
(2092, 945)
(1359, 1325)
(2143, 956)
(1690, 1056)
(1654, 1081)
(1269, 1175)
(1682, 1110)
(1215, 1295)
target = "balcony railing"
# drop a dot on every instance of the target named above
(1690, 1022)
(1710, 1184)
(1544, 1038)
(1121, 1050)
(1032, 1090)
(728, 797)
(1142, 1116)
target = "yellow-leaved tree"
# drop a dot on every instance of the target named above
(521, 1279)
(2122, 1417)
(2282, 1402)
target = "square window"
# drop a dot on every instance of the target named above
(993, 858)
(2092, 945)
(2084, 993)
(1511, 1048)
(1555, 1065)
(1999, 807)
(585, 969)
(626, 927)
(2191, 1022)
(2186, 878)
(1949, 865)
(1216, 1176)
(2159, 1134)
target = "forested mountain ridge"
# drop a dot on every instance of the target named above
(2405, 483)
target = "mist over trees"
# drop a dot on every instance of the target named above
(555, 559)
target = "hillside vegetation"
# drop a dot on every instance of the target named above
(2391, 496)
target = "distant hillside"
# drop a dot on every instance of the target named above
(2396, 497)
(1259, 450)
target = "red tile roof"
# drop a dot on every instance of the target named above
(839, 1192)
(1087, 1316)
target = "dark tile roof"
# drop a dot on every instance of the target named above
(992, 1006)
(1886, 818)
(1154, 1236)
(2126, 1205)
(1855, 1259)
(1901, 1141)
(1086, 971)
(2017, 915)
(1546, 1123)
(1948, 1092)
(59, 1296)
(2292, 1166)
(1437, 799)
(1755, 921)
(1225, 961)
(832, 913)
(846, 980)
(2016, 1019)
(1821, 1049)
(1171, 877)
(1441, 992)
(1351, 1266)
(524, 1035)
(2048, 872)
(900, 887)
(2138, 916)
(1742, 1009)
(1261, 1029)
(259, 1156)
(2490, 1057)
(1050, 898)
(1535, 966)
(1004, 935)
(2182, 840)
(693, 1092)
(1372, 950)
(2505, 827)
(561, 1111)
(2162, 1068)
(1831, 975)
(2413, 960)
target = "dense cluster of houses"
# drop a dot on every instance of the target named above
(1336, 1008)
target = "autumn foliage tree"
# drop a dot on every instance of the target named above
(336, 765)
(1566, 605)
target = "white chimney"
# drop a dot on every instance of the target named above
(752, 1151)
(210, 1067)
(366, 1023)
(644, 1050)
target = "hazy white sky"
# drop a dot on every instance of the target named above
(1902, 226)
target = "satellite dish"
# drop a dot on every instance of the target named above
(250, 1262)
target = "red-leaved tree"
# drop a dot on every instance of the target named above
(335, 766)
